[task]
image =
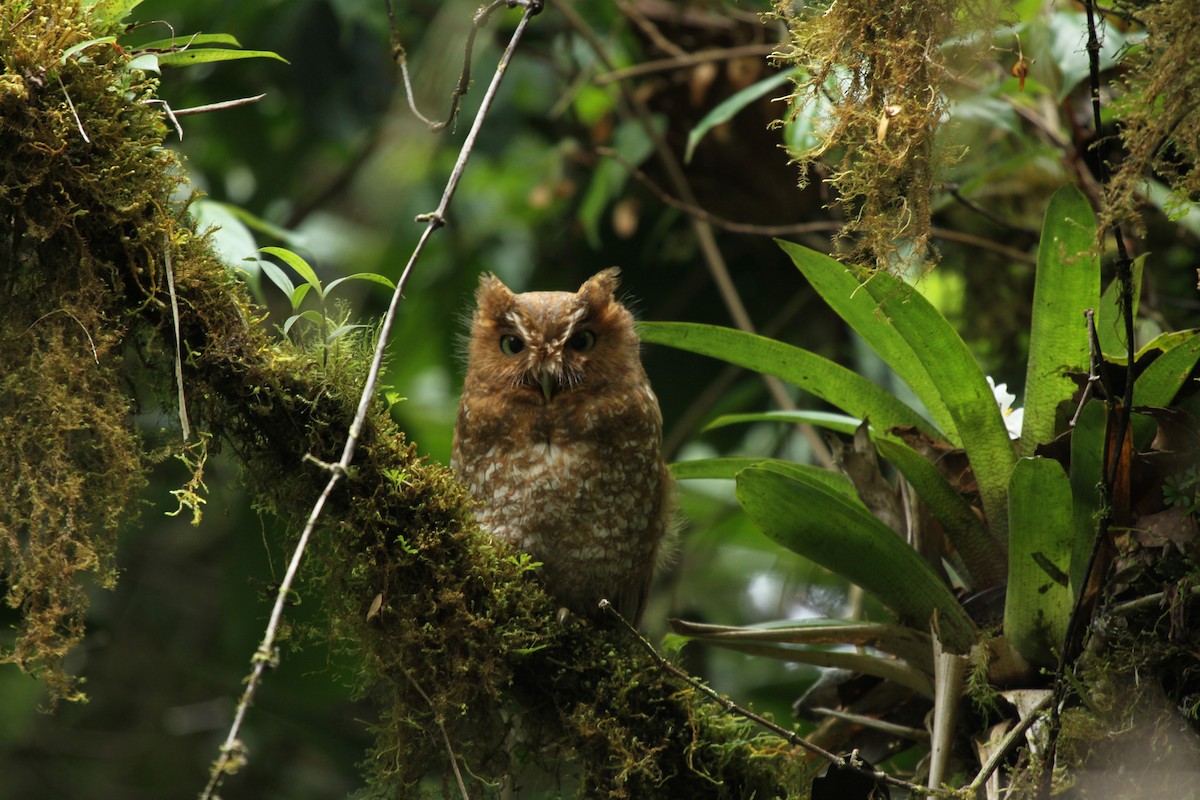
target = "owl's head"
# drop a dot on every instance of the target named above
(545, 345)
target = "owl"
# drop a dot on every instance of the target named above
(559, 439)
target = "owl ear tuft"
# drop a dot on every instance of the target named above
(602, 285)
(492, 292)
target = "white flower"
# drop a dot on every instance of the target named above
(1013, 417)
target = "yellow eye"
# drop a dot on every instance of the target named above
(511, 345)
(582, 341)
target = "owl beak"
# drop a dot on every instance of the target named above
(547, 382)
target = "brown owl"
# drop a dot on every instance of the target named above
(559, 438)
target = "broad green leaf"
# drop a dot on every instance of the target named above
(844, 537)
(208, 55)
(821, 419)
(371, 277)
(188, 41)
(109, 12)
(300, 265)
(728, 108)
(1038, 604)
(841, 289)
(1163, 379)
(232, 239)
(1068, 36)
(1110, 328)
(982, 555)
(1066, 283)
(962, 388)
(819, 376)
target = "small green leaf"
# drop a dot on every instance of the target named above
(147, 62)
(844, 537)
(1066, 283)
(821, 377)
(299, 264)
(728, 108)
(1038, 603)
(208, 55)
(341, 331)
(278, 277)
(371, 277)
(78, 48)
(298, 293)
(310, 315)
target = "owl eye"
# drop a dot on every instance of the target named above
(582, 341)
(511, 345)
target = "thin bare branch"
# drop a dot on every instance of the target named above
(221, 106)
(183, 415)
(686, 60)
(232, 753)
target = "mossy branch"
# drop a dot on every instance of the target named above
(453, 636)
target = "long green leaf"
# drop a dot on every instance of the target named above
(1067, 282)
(822, 419)
(728, 468)
(188, 41)
(890, 669)
(829, 381)
(1038, 603)
(913, 646)
(728, 108)
(841, 289)
(984, 559)
(1163, 379)
(962, 387)
(845, 538)
(207, 55)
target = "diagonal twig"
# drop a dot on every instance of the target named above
(791, 737)
(232, 752)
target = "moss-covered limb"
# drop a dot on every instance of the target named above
(451, 631)
(75, 214)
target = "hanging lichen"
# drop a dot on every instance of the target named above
(878, 68)
(1159, 115)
